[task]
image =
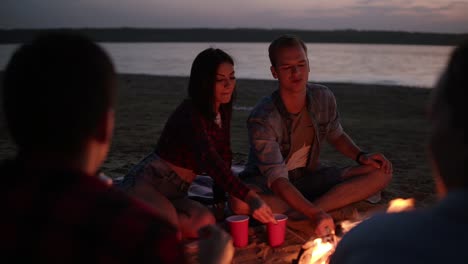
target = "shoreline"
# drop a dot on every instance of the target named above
(327, 83)
(380, 118)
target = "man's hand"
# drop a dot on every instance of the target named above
(259, 209)
(215, 246)
(377, 160)
(323, 224)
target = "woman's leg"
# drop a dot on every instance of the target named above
(157, 184)
(146, 192)
(192, 216)
(141, 183)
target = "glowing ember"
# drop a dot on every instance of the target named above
(400, 205)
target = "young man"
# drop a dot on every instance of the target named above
(287, 130)
(438, 234)
(58, 98)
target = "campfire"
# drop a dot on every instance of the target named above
(319, 250)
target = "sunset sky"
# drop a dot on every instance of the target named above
(408, 15)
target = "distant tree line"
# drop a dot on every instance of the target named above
(242, 35)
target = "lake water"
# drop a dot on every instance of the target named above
(410, 65)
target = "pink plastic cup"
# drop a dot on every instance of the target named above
(276, 232)
(239, 227)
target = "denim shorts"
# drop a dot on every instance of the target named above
(154, 171)
(311, 184)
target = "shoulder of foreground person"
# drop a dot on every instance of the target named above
(73, 217)
(411, 237)
(123, 228)
(140, 233)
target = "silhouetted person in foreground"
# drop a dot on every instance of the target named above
(438, 234)
(58, 98)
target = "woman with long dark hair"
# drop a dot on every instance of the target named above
(195, 140)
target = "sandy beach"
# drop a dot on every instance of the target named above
(388, 119)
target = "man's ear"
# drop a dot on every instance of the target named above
(106, 127)
(273, 72)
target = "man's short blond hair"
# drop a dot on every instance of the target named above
(282, 42)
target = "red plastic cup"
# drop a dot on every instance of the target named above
(276, 232)
(239, 227)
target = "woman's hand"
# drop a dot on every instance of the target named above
(259, 209)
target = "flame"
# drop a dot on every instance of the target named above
(400, 205)
(348, 225)
(318, 251)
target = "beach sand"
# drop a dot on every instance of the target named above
(387, 119)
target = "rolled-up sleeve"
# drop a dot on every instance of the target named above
(265, 147)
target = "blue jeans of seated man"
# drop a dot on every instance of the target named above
(311, 184)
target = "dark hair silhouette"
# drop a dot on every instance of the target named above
(203, 80)
(448, 142)
(56, 90)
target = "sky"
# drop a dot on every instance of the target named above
(447, 16)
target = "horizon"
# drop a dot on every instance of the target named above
(236, 28)
(417, 16)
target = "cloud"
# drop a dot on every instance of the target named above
(388, 16)
(411, 15)
(456, 10)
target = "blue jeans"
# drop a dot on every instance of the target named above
(311, 184)
(159, 175)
